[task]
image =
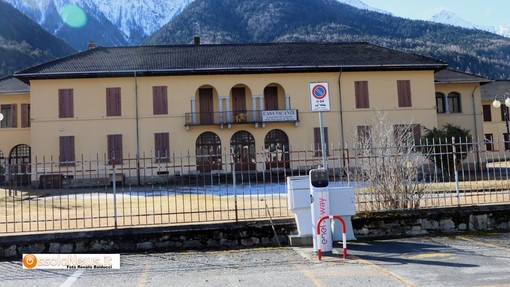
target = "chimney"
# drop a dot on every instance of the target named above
(196, 40)
(91, 44)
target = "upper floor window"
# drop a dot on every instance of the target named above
(404, 93)
(113, 105)
(454, 102)
(65, 103)
(160, 100)
(361, 94)
(487, 114)
(9, 112)
(25, 115)
(449, 104)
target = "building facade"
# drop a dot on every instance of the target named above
(250, 100)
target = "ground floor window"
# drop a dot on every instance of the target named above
(276, 145)
(242, 146)
(208, 152)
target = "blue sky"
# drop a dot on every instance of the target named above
(487, 13)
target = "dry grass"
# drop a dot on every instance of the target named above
(33, 211)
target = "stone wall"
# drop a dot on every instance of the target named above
(250, 234)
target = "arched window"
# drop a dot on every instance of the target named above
(243, 148)
(276, 145)
(208, 152)
(3, 169)
(440, 103)
(454, 103)
(19, 164)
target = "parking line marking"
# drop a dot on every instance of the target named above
(384, 270)
(70, 281)
(145, 274)
(483, 243)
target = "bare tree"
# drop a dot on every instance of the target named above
(389, 163)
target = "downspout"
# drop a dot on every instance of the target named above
(476, 127)
(137, 120)
(341, 118)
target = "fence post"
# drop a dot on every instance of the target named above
(456, 171)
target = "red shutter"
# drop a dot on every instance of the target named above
(404, 93)
(417, 133)
(317, 141)
(160, 100)
(271, 98)
(65, 103)
(67, 156)
(161, 146)
(25, 115)
(14, 115)
(113, 102)
(361, 94)
(115, 149)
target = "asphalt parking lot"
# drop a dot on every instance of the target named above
(464, 260)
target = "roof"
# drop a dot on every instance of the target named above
(495, 89)
(450, 76)
(11, 85)
(228, 59)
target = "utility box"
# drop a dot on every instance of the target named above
(298, 195)
(342, 203)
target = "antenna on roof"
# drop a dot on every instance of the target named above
(196, 40)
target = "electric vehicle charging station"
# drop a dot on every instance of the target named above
(319, 197)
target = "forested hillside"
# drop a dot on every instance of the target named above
(245, 21)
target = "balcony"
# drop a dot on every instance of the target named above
(247, 117)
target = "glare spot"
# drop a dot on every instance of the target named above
(73, 16)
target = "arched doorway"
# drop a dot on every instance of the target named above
(19, 165)
(276, 145)
(242, 146)
(208, 152)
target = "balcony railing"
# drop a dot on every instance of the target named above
(246, 117)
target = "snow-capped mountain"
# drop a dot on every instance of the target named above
(450, 18)
(362, 5)
(108, 22)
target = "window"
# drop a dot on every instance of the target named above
(487, 114)
(160, 100)
(361, 94)
(276, 145)
(364, 136)
(114, 149)
(507, 141)
(65, 103)
(10, 116)
(489, 142)
(402, 136)
(162, 147)
(454, 103)
(504, 113)
(404, 93)
(113, 106)
(25, 115)
(317, 141)
(67, 156)
(440, 103)
(242, 144)
(271, 98)
(208, 151)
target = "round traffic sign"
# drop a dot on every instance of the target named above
(319, 92)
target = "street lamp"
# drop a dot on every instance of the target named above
(1, 117)
(496, 103)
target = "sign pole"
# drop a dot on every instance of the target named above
(319, 100)
(323, 142)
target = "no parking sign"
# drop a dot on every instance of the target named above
(319, 97)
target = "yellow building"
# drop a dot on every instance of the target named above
(14, 127)
(495, 115)
(205, 100)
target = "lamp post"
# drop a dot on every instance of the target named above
(496, 103)
(1, 117)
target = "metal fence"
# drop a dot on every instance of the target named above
(90, 193)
